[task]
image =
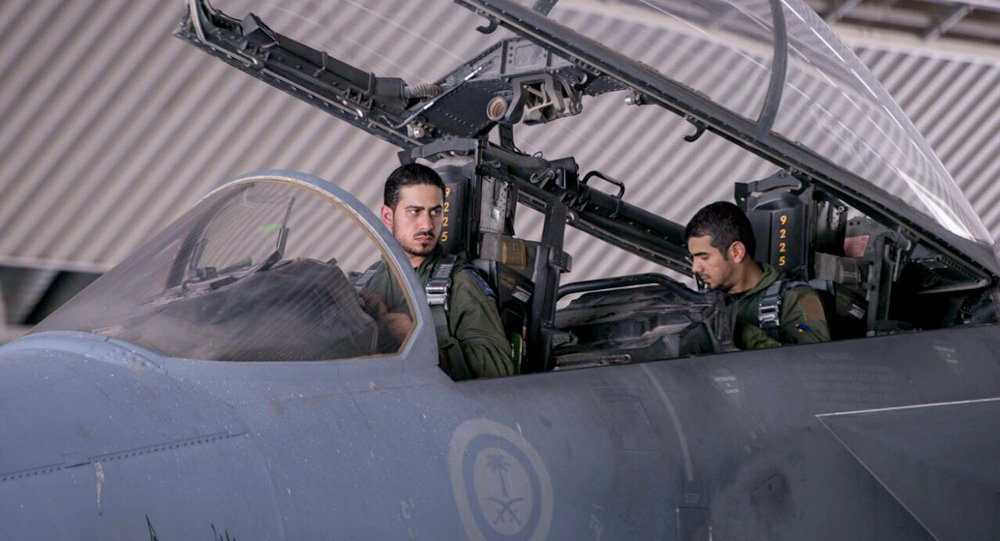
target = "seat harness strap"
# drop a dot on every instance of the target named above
(769, 309)
(450, 351)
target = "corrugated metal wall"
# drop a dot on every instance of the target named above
(110, 128)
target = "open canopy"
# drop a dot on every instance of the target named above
(769, 76)
(779, 67)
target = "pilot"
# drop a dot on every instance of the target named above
(473, 343)
(767, 310)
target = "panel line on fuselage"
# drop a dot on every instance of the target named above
(688, 467)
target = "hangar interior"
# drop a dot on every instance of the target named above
(110, 128)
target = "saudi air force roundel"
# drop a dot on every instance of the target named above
(501, 486)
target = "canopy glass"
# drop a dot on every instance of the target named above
(771, 62)
(264, 269)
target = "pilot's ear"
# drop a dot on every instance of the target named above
(386, 215)
(737, 252)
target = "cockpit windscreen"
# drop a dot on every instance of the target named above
(266, 269)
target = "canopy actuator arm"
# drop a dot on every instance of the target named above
(375, 104)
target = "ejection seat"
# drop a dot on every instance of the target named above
(478, 226)
(801, 232)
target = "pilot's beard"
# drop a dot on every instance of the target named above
(420, 250)
(414, 247)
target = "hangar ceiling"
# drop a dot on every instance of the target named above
(110, 127)
(973, 20)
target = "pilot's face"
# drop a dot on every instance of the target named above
(416, 220)
(710, 264)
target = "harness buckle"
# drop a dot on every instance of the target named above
(437, 292)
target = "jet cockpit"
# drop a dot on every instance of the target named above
(849, 196)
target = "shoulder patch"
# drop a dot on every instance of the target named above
(479, 281)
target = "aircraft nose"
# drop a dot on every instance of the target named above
(106, 440)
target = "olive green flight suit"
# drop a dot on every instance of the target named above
(473, 322)
(802, 318)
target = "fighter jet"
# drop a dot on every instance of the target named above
(227, 382)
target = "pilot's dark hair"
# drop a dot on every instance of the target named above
(409, 174)
(725, 223)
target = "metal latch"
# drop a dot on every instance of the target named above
(437, 292)
(768, 315)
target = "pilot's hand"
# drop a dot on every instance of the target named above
(395, 324)
(373, 305)
(398, 325)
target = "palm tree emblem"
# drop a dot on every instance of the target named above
(497, 463)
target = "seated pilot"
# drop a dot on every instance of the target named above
(767, 310)
(473, 343)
